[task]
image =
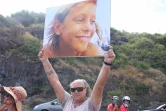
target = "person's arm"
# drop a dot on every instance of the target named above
(102, 78)
(4, 107)
(52, 77)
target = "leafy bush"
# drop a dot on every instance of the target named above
(7, 22)
(113, 93)
(122, 86)
(90, 60)
(27, 18)
(142, 50)
(28, 50)
(138, 89)
(32, 47)
(120, 61)
(141, 65)
(3, 22)
(23, 17)
(37, 30)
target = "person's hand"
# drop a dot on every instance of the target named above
(41, 56)
(109, 56)
(116, 106)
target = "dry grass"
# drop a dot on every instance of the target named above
(152, 78)
(63, 64)
(28, 35)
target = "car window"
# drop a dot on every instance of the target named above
(56, 102)
(163, 109)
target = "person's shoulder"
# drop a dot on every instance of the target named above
(110, 104)
(110, 107)
(121, 106)
(93, 50)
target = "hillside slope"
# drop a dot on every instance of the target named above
(19, 65)
(145, 87)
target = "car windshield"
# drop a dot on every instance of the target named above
(163, 107)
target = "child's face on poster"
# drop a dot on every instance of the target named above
(78, 27)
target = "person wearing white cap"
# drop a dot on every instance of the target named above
(125, 103)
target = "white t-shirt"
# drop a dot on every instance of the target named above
(68, 105)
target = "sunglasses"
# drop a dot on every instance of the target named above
(79, 89)
(8, 95)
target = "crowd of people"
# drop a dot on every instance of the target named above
(114, 105)
(80, 98)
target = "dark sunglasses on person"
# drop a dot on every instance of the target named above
(79, 89)
(8, 95)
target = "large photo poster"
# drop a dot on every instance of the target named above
(77, 29)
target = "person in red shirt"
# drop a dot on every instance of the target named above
(126, 103)
(113, 106)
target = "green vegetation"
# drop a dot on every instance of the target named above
(30, 49)
(24, 35)
(27, 18)
(135, 88)
(140, 50)
(138, 89)
(37, 30)
(114, 93)
(6, 22)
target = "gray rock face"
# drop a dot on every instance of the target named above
(14, 71)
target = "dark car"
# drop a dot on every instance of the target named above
(160, 108)
(49, 106)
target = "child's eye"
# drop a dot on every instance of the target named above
(93, 21)
(79, 20)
